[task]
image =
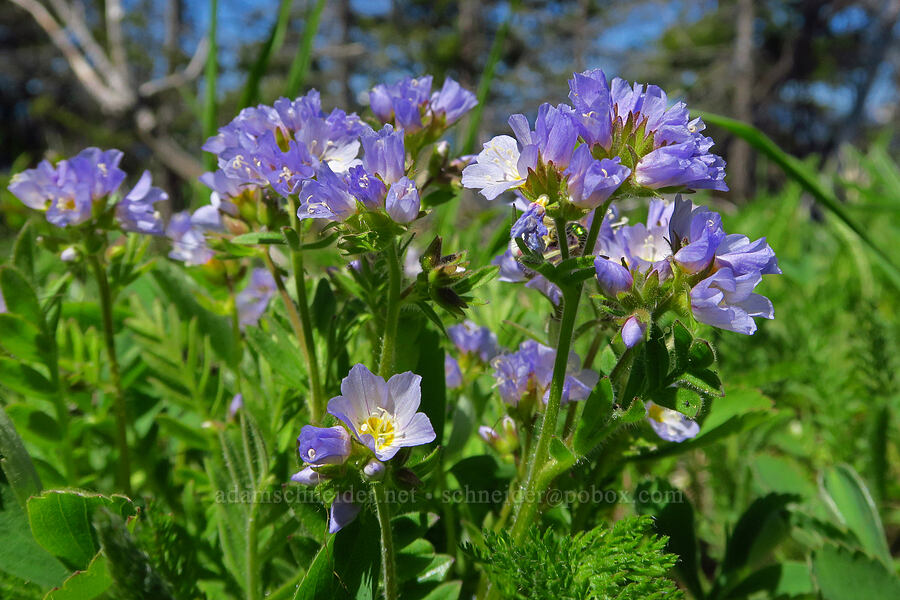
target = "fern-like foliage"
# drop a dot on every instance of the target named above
(622, 562)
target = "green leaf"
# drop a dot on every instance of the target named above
(673, 517)
(434, 389)
(23, 379)
(20, 555)
(807, 178)
(849, 499)
(16, 463)
(273, 43)
(319, 580)
(259, 237)
(281, 355)
(446, 591)
(762, 527)
(596, 414)
(87, 584)
(61, 522)
(701, 355)
(324, 305)
(304, 50)
(21, 299)
(23, 250)
(24, 339)
(841, 574)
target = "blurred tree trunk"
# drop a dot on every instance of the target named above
(342, 74)
(740, 157)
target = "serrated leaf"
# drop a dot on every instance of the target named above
(841, 574)
(87, 584)
(850, 501)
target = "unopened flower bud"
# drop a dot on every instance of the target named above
(374, 470)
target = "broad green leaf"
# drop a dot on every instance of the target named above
(319, 579)
(282, 356)
(849, 499)
(20, 555)
(782, 474)
(21, 299)
(762, 527)
(87, 584)
(16, 464)
(61, 522)
(445, 591)
(414, 559)
(23, 379)
(24, 339)
(596, 414)
(434, 390)
(841, 574)
(782, 580)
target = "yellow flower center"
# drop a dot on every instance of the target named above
(656, 413)
(381, 427)
(67, 204)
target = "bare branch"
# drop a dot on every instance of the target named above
(186, 75)
(114, 15)
(110, 99)
(167, 150)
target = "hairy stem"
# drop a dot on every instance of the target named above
(389, 339)
(388, 568)
(120, 410)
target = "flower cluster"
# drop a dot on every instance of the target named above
(410, 105)
(474, 344)
(378, 184)
(378, 418)
(721, 269)
(76, 190)
(528, 371)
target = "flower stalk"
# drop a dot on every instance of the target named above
(388, 566)
(389, 339)
(120, 409)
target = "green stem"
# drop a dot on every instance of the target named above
(388, 568)
(594, 231)
(389, 339)
(253, 588)
(563, 238)
(305, 319)
(119, 408)
(315, 412)
(527, 509)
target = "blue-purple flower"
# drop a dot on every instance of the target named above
(725, 268)
(253, 300)
(499, 167)
(513, 272)
(452, 373)
(669, 424)
(633, 331)
(343, 511)
(402, 201)
(382, 415)
(326, 197)
(531, 228)
(529, 371)
(672, 151)
(68, 190)
(137, 212)
(472, 340)
(320, 446)
(591, 182)
(406, 102)
(284, 144)
(188, 240)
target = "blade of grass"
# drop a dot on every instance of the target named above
(250, 95)
(211, 74)
(487, 77)
(304, 53)
(803, 175)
